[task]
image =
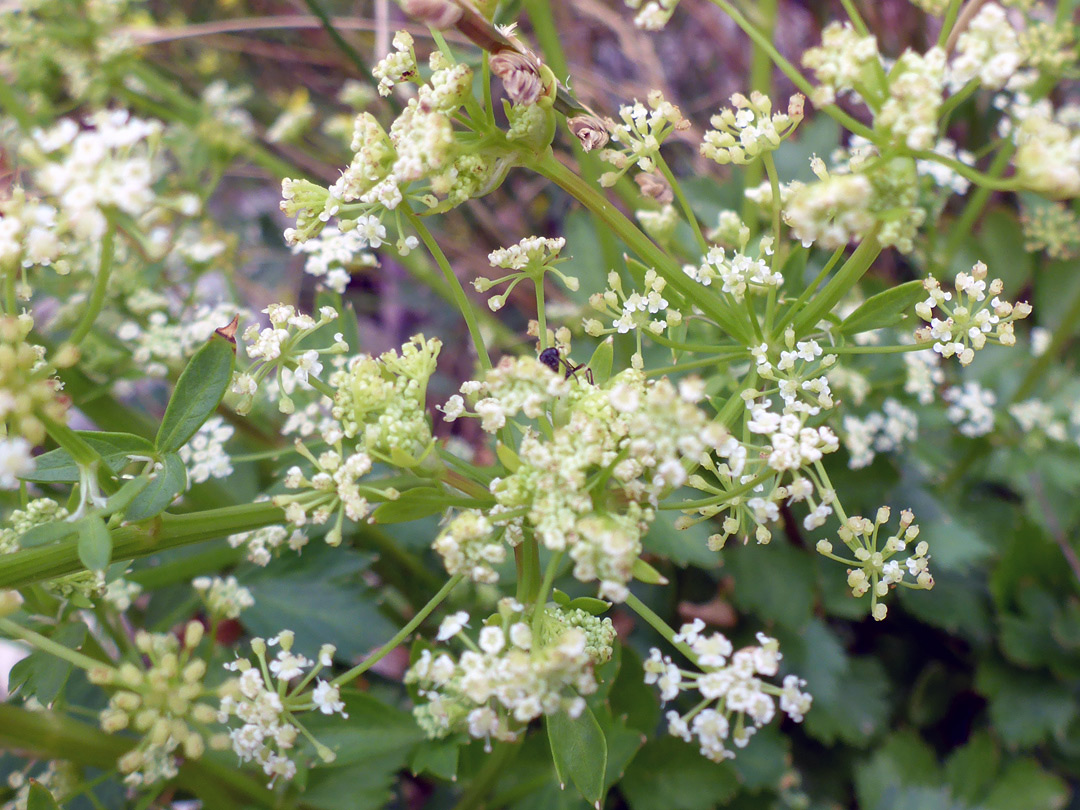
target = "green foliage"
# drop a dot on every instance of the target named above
(201, 387)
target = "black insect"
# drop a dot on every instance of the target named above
(551, 358)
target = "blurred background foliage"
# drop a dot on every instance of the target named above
(964, 699)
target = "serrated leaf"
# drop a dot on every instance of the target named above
(668, 774)
(373, 729)
(39, 798)
(42, 675)
(789, 604)
(200, 389)
(1025, 784)
(437, 757)
(579, 751)
(58, 467)
(972, 767)
(95, 543)
(885, 309)
(905, 760)
(169, 482)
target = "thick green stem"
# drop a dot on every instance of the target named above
(462, 301)
(130, 542)
(101, 285)
(840, 284)
(545, 588)
(13, 630)
(401, 635)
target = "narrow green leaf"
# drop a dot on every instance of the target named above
(589, 604)
(643, 572)
(560, 598)
(579, 751)
(59, 467)
(507, 456)
(120, 499)
(46, 534)
(39, 798)
(887, 308)
(95, 543)
(198, 391)
(419, 502)
(600, 362)
(169, 482)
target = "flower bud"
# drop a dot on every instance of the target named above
(589, 130)
(438, 14)
(520, 76)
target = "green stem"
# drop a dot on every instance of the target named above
(950, 20)
(545, 588)
(1065, 331)
(659, 625)
(101, 284)
(684, 203)
(458, 291)
(840, 284)
(40, 642)
(401, 635)
(32, 565)
(963, 226)
(987, 181)
(804, 296)
(760, 80)
(907, 347)
(339, 40)
(11, 303)
(541, 314)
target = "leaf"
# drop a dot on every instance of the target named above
(313, 597)
(39, 798)
(971, 768)
(600, 362)
(200, 389)
(905, 760)
(579, 751)
(590, 604)
(682, 546)
(630, 697)
(58, 467)
(47, 533)
(437, 757)
(774, 582)
(128, 491)
(42, 675)
(420, 502)
(372, 730)
(643, 572)
(668, 774)
(1025, 707)
(507, 456)
(169, 482)
(365, 785)
(1025, 784)
(887, 308)
(95, 543)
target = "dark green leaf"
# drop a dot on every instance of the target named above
(437, 757)
(600, 362)
(682, 546)
(169, 482)
(198, 392)
(372, 730)
(904, 760)
(1025, 784)
(590, 604)
(42, 675)
(971, 768)
(668, 774)
(888, 308)
(58, 467)
(123, 497)
(774, 582)
(579, 751)
(95, 543)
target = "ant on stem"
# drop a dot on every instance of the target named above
(551, 358)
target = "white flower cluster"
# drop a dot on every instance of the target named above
(646, 310)
(266, 707)
(731, 686)
(797, 370)
(107, 165)
(530, 258)
(988, 50)
(792, 445)
(29, 234)
(916, 86)
(1037, 416)
(1047, 146)
(397, 66)
(225, 598)
(470, 545)
(923, 374)
(971, 408)
(742, 134)
(204, 454)
(972, 320)
(883, 431)
(832, 212)
(120, 593)
(160, 701)
(333, 254)
(334, 487)
(874, 569)
(845, 62)
(640, 132)
(512, 674)
(738, 273)
(654, 15)
(262, 543)
(277, 348)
